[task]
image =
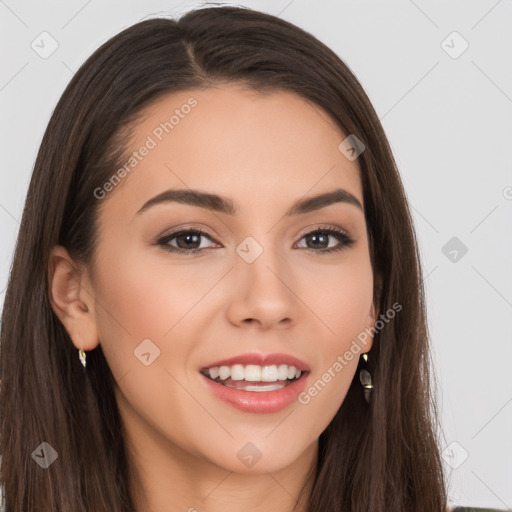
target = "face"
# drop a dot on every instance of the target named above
(260, 280)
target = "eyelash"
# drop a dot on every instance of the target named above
(339, 234)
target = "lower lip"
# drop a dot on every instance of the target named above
(259, 402)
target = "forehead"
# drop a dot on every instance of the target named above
(237, 142)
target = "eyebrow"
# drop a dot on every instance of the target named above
(225, 205)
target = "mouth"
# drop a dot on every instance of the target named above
(252, 377)
(257, 383)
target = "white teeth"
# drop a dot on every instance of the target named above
(291, 372)
(282, 372)
(269, 373)
(224, 372)
(259, 389)
(237, 372)
(255, 373)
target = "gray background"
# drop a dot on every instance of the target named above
(448, 122)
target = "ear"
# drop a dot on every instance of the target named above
(72, 300)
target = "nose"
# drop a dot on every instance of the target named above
(263, 293)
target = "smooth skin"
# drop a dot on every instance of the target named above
(264, 152)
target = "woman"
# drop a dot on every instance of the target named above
(220, 287)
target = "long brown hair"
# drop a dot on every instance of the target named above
(376, 457)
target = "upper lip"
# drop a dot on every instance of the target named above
(262, 360)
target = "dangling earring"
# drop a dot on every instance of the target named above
(366, 380)
(81, 355)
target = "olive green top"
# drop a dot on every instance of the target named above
(473, 509)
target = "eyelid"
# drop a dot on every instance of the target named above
(305, 231)
(184, 229)
(319, 227)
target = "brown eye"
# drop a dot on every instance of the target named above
(319, 240)
(187, 241)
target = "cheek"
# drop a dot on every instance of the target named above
(340, 296)
(341, 300)
(147, 316)
(136, 302)
(147, 297)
